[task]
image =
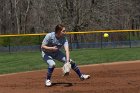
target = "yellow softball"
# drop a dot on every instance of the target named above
(106, 35)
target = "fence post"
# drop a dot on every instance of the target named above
(39, 40)
(70, 42)
(9, 46)
(129, 39)
(101, 40)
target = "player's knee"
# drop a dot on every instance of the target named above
(71, 61)
(52, 65)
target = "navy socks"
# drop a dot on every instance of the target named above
(75, 68)
(49, 74)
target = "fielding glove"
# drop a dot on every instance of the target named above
(66, 68)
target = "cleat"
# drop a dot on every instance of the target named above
(48, 83)
(66, 74)
(84, 77)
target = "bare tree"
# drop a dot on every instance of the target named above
(25, 15)
(37, 16)
(17, 15)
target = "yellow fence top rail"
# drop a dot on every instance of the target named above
(102, 31)
(82, 32)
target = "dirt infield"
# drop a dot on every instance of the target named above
(105, 78)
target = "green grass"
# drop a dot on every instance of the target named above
(27, 61)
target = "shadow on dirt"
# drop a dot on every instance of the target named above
(65, 84)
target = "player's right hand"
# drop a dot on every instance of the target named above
(54, 48)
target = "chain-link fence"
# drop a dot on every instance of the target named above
(89, 39)
(96, 40)
(20, 43)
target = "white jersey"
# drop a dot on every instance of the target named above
(51, 40)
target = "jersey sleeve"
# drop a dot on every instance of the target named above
(46, 39)
(66, 42)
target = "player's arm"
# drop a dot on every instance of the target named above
(45, 42)
(66, 47)
(54, 48)
(67, 53)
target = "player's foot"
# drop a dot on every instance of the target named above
(84, 76)
(66, 74)
(48, 83)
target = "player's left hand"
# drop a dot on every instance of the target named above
(66, 68)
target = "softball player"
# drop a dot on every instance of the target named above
(51, 50)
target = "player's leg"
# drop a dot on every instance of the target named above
(51, 66)
(77, 70)
(62, 57)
